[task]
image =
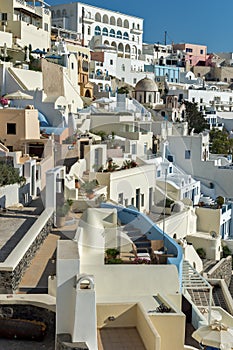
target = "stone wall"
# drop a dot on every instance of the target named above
(9, 280)
(64, 342)
(222, 270)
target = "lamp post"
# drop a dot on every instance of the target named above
(164, 167)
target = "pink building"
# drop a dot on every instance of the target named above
(193, 54)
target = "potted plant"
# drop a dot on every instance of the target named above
(61, 212)
(219, 201)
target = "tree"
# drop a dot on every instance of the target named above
(9, 175)
(220, 143)
(194, 118)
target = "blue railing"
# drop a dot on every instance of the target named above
(152, 232)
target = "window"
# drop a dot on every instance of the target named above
(126, 36)
(123, 67)
(193, 99)
(201, 52)
(105, 31)
(112, 33)
(11, 129)
(119, 34)
(72, 65)
(120, 198)
(135, 80)
(111, 62)
(132, 201)
(158, 173)
(187, 154)
(134, 148)
(97, 30)
(188, 49)
(3, 16)
(46, 27)
(89, 30)
(142, 199)
(170, 170)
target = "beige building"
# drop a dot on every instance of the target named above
(18, 125)
(29, 23)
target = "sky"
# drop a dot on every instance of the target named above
(199, 22)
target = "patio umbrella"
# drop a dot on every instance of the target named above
(38, 51)
(216, 334)
(18, 95)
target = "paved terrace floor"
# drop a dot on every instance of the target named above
(14, 223)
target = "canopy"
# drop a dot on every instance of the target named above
(18, 95)
(216, 334)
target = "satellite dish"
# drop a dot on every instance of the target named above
(213, 234)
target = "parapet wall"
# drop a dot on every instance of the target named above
(13, 268)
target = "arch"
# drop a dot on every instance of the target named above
(112, 33)
(98, 17)
(64, 13)
(100, 86)
(106, 42)
(119, 34)
(127, 48)
(58, 14)
(112, 21)
(114, 44)
(119, 22)
(120, 47)
(97, 42)
(126, 36)
(126, 23)
(85, 279)
(87, 93)
(105, 31)
(105, 19)
(97, 30)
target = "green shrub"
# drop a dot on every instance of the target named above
(226, 251)
(201, 252)
(112, 253)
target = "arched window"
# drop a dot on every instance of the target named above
(106, 42)
(138, 26)
(98, 17)
(127, 48)
(119, 34)
(97, 30)
(126, 36)
(119, 22)
(113, 44)
(105, 19)
(126, 23)
(120, 47)
(105, 31)
(112, 33)
(58, 13)
(112, 21)
(64, 14)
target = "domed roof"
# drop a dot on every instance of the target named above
(146, 84)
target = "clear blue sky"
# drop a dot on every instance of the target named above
(198, 22)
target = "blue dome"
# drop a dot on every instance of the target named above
(43, 120)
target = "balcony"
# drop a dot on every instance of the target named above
(137, 31)
(88, 19)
